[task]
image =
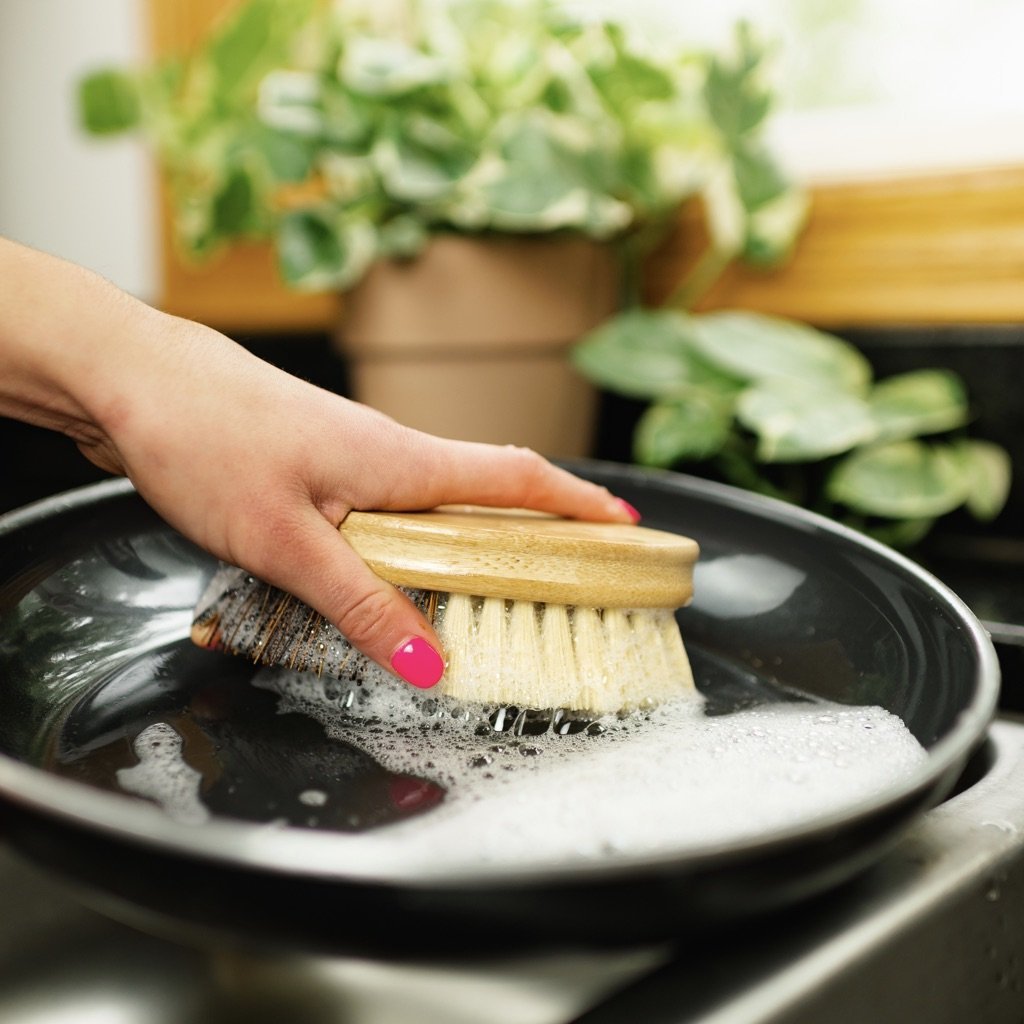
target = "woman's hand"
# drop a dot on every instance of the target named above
(256, 466)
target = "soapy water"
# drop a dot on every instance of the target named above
(163, 775)
(521, 789)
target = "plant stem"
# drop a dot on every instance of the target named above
(704, 273)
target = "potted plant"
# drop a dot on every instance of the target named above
(482, 178)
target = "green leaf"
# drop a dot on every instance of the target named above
(412, 172)
(403, 237)
(797, 421)
(900, 480)
(901, 533)
(539, 182)
(989, 474)
(736, 98)
(316, 252)
(108, 103)
(234, 210)
(756, 347)
(772, 228)
(646, 354)
(389, 67)
(288, 157)
(247, 44)
(293, 101)
(236, 49)
(919, 402)
(759, 179)
(694, 426)
(628, 79)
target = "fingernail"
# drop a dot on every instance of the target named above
(630, 511)
(418, 663)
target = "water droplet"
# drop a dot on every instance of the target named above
(1002, 826)
(502, 718)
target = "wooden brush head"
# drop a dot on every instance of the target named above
(526, 556)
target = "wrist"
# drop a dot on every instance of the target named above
(73, 346)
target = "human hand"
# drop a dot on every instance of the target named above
(258, 467)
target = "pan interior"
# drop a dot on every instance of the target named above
(98, 674)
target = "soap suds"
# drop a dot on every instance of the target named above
(163, 775)
(656, 782)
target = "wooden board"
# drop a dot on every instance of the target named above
(947, 248)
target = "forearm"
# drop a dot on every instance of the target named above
(61, 329)
(79, 355)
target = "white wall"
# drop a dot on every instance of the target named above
(88, 200)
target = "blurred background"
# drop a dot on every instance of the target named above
(903, 123)
(865, 88)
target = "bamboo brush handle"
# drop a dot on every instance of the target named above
(526, 556)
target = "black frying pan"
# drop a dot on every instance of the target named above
(95, 600)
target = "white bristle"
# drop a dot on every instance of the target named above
(525, 671)
(556, 644)
(592, 659)
(492, 640)
(623, 647)
(677, 663)
(456, 627)
(557, 656)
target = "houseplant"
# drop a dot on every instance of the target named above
(778, 407)
(527, 159)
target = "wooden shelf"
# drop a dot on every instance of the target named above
(947, 248)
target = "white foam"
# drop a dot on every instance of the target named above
(667, 780)
(163, 775)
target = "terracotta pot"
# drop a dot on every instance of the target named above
(471, 339)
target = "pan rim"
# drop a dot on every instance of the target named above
(308, 854)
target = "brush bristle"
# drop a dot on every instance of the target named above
(559, 656)
(543, 656)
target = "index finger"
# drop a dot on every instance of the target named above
(468, 472)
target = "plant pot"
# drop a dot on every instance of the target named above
(471, 339)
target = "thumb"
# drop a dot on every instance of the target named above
(325, 573)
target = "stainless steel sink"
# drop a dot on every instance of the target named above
(934, 933)
(62, 963)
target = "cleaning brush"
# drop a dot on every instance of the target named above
(533, 611)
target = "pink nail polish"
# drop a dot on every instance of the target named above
(630, 511)
(418, 663)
